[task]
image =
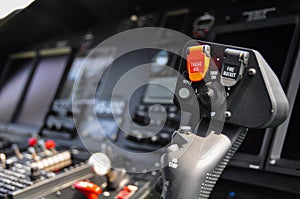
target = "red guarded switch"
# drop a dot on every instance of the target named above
(32, 141)
(198, 60)
(89, 189)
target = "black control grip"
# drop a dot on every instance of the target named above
(194, 176)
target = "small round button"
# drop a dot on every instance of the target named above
(184, 93)
(50, 144)
(32, 141)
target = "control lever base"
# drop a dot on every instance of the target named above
(186, 176)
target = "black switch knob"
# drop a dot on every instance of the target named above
(141, 117)
(4, 144)
(115, 178)
(165, 138)
(159, 184)
(173, 120)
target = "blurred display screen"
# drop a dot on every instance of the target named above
(162, 81)
(290, 148)
(157, 93)
(13, 85)
(67, 89)
(175, 22)
(273, 43)
(42, 90)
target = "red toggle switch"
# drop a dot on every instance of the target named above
(32, 141)
(50, 144)
(198, 61)
(89, 189)
(126, 192)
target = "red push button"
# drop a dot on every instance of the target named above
(32, 141)
(197, 63)
(50, 144)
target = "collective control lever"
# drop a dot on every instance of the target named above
(232, 86)
(198, 161)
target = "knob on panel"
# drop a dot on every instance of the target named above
(100, 163)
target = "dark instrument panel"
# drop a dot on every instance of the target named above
(50, 113)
